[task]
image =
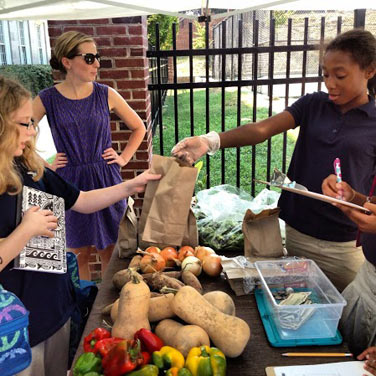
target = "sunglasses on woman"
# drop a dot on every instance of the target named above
(90, 58)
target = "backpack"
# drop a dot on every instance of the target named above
(86, 292)
(15, 352)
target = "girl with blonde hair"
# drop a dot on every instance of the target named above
(48, 297)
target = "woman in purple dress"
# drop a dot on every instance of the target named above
(78, 111)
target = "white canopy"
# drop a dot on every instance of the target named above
(90, 9)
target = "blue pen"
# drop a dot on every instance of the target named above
(337, 171)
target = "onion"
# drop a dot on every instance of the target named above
(212, 265)
(152, 249)
(170, 255)
(193, 264)
(185, 251)
(201, 252)
(152, 263)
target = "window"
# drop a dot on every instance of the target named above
(40, 48)
(21, 35)
(3, 56)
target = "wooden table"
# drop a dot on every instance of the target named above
(257, 355)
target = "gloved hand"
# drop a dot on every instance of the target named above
(191, 149)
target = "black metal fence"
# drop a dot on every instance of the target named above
(260, 57)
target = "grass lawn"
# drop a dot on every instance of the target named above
(215, 124)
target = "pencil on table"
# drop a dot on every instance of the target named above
(318, 354)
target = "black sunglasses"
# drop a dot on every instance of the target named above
(90, 58)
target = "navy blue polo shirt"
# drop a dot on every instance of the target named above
(49, 297)
(326, 133)
(369, 247)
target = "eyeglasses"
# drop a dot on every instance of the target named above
(28, 125)
(90, 58)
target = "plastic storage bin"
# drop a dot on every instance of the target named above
(306, 321)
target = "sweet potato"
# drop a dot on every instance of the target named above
(122, 277)
(191, 280)
(159, 280)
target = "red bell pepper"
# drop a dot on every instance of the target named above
(103, 346)
(93, 337)
(124, 357)
(147, 357)
(149, 341)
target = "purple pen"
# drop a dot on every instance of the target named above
(337, 171)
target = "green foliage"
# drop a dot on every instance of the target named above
(33, 77)
(165, 30)
(281, 16)
(215, 124)
(199, 36)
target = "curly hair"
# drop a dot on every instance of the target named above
(12, 96)
(67, 46)
(361, 45)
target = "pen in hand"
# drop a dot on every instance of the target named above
(337, 171)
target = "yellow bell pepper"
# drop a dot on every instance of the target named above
(175, 371)
(206, 361)
(168, 357)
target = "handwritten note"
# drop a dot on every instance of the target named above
(354, 368)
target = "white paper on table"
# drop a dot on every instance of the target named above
(352, 368)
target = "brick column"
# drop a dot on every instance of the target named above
(122, 44)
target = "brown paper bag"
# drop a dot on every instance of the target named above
(262, 236)
(126, 243)
(191, 233)
(165, 218)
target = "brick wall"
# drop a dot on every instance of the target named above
(122, 44)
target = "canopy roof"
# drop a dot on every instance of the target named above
(90, 9)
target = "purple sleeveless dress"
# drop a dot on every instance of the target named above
(81, 130)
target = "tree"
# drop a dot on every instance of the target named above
(165, 30)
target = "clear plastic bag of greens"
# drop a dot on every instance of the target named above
(220, 211)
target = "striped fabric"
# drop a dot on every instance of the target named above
(81, 130)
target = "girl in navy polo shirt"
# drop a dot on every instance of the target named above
(49, 297)
(358, 322)
(340, 123)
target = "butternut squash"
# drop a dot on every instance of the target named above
(189, 336)
(222, 301)
(133, 309)
(160, 308)
(181, 337)
(229, 333)
(166, 330)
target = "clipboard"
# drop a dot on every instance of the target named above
(316, 196)
(269, 371)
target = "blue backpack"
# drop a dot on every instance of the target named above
(15, 352)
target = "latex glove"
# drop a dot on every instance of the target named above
(193, 148)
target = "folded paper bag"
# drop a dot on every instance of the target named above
(166, 207)
(126, 243)
(262, 236)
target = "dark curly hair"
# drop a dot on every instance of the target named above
(361, 45)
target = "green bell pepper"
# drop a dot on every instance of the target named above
(87, 362)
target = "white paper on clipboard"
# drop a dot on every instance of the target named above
(316, 196)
